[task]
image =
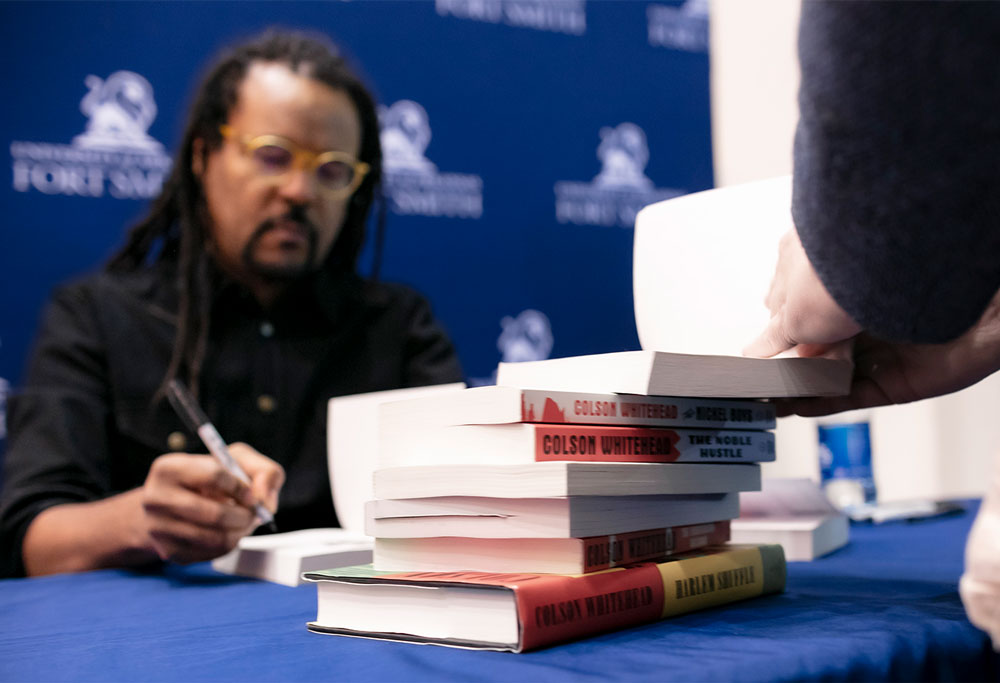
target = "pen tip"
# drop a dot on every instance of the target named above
(271, 527)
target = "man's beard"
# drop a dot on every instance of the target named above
(279, 272)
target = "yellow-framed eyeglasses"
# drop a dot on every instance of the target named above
(338, 173)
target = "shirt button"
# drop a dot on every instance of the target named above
(176, 441)
(266, 329)
(266, 403)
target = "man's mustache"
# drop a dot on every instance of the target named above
(299, 218)
(295, 215)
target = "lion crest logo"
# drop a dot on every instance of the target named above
(624, 154)
(528, 336)
(120, 111)
(405, 134)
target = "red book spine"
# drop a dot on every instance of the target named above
(588, 443)
(553, 609)
(649, 411)
(604, 552)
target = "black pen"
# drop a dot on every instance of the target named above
(189, 410)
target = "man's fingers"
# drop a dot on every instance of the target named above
(180, 541)
(266, 476)
(772, 341)
(201, 473)
(183, 504)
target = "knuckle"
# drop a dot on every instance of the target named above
(217, 541)
(217, 515)
(279, 473)
(223, 481)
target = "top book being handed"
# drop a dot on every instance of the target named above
(660, 373)
(701, 269)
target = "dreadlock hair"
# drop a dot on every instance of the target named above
(175, 227)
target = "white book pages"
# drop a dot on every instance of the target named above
(548, 479)
(282, 558)
(570, 517)
(352, 448)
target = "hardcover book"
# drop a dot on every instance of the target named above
(519, 612)
(543, 555)
(548, 479)
(500, 405)
(679, 374)
(566, 517)
(523, 443)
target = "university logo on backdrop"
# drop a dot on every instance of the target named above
(413, 183)
(558, 16)
(526, 336)
(679, 28)
(113, 156)
(621, 187)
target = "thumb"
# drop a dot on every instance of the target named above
(773, 340)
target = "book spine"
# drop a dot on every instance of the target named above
(564, 608)
(648, 411)
(588, 443)
(604, 552)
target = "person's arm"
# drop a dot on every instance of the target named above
(189, 509)
(78, 495)
(74, 537)
(896, 195)
(895, 201)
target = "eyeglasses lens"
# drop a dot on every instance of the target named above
(335, 174)
(272, 159)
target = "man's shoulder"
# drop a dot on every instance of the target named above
(104, 287)
(389, 293)
(392, 303)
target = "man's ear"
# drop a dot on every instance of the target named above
(198, 157)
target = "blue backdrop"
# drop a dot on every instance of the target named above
(521, 137)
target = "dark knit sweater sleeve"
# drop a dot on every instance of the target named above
(897, 161)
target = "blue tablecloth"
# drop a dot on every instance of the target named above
(886, 607)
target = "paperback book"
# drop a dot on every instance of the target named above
(564, 517)
(503, 405)
(282, 558)
(678, 374)
(549, 479)
(803, 537)
(543, 555)
(523, 443)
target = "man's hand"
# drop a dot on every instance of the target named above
(807, 319)
(189, 509)
(886, 373)
(194, 510)
(804, 316)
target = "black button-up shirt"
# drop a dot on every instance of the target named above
(85, 427)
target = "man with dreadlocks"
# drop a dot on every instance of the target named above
(242, 282)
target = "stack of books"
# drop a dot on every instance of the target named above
(567, 500)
